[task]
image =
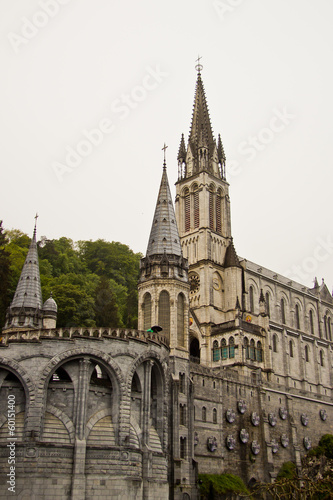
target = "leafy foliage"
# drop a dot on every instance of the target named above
(213, 485)
(314, 480)
(5, 275)
(93, 282)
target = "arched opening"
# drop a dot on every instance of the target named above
(195, 350)
(12, 398)
(181, 320)
(147, 311)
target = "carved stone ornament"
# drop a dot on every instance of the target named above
(255, 419)
(241, 405)
(275, 446)
(230, 442)
(243, 436)
(307, 443)
(283, 413)
(323, 415)
(304, 419)
(212, 443)
(230, 415)
(284, 440)
(272, 419)
(255, 447)
(196, 439)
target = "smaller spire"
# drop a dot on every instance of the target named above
(182, 150)
(35, 228)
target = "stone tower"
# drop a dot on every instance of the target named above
(203, 216)
(26, 309)
(163, 286)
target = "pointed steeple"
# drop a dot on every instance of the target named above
(182, 150)
(26, 306)
(201, 132)
(164, 236)
(202, 151)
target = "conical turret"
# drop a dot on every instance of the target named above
(26, 308)
(164, 274)
(164, 237)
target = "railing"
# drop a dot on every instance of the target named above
(23, 335)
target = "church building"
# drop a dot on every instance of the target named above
(230, 369)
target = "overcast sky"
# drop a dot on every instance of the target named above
(70, 67)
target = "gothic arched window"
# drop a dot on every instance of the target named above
(196, 209)
(325, 326)
(291, 349)
(252, 350)
(216, 351)
(224, 349)
(214, 416)
(306, 353)
(274, 343)
(180, 320)
(187, 207)
(311, 322)
(231, 347)
(321, 357)
(251, 299)
(283, 313)
(329, 329)
(211, 208)
(268, 312)
(297, 323)
(218, 203)
(164, 311)
(147, 311)
(204, 414)
(259, 352)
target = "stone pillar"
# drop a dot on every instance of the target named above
(147, 454)
(79, 480)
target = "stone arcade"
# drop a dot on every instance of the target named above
(239, 380)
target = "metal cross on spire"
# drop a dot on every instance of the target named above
(36, 217)
(198, 65)
(164, 149)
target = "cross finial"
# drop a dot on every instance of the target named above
(198, 65)
(36, 217)
(164, 149)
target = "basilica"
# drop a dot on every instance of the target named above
(230, 369)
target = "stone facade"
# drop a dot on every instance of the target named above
(239, 380)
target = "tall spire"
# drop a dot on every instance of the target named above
(203, 153)
(26, 306)
(201, 129)
(164, 237)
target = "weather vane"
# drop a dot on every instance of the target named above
(164, 149)
(198, 66)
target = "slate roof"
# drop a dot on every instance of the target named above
(28, 291)
(164, 236)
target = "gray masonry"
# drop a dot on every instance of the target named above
(239, 380)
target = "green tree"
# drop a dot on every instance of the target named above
(4, 275)
(106, 308)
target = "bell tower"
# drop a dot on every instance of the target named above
(203, 217)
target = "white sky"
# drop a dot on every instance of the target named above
(261, 58)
